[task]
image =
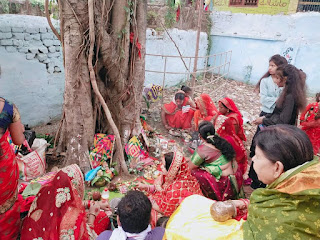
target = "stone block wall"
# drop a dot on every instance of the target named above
(31, 67)
(36, 43)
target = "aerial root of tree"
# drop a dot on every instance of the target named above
(103, 70)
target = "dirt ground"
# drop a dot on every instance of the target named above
(246, 99)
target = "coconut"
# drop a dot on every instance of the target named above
(96, 196)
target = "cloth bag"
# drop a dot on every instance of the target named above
(33, 164)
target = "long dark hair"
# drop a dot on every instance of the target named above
(207, 132)
(295, 85)
(185, 88)
(168, 157)
(285, 143)
(277, 60)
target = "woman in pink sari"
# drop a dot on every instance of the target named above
(229, 125)
(172, 187)
(9, 173)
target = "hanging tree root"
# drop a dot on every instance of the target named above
(96, 89)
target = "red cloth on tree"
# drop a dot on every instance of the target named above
(138, 45)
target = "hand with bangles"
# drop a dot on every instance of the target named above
(95, 207)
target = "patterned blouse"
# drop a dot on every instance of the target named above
(8, 114)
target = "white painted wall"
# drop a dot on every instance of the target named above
(254, 38)
(161, 44)
(32, 74)
(33, 81)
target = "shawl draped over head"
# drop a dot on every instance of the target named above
(236, 115)
(57, 211)
(175, 186)
(207, 110)
(289, 208)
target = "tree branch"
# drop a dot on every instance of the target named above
(96, 90)
(46, 6)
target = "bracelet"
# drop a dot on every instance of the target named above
(92, 214)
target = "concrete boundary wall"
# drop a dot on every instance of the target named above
(31, 67)
(31, 64)
(254, 38)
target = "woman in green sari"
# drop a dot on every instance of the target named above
(214, 167)
(288, 208)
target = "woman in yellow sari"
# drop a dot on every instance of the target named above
(288, 208)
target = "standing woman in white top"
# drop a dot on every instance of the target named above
(269, 94)
(268, 89)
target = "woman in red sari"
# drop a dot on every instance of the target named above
(172, 187)
(9, 173)
(58, 211)
(229, 125)
(310, 123)
(178, 114)
(206, 110)
(212, 164)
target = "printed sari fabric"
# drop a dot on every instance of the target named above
(209, 175)
(311, 125)
(176, 118)
(206, 109)
(288, 208)
(178, 184)
(57, 211)
(225, 129)
(9, 174)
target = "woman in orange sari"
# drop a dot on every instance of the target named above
(229, 125)
(172, 187)
(9, 173)
(310, 123)
(206, 110)
(177, 114)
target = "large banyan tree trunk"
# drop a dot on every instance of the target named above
(104, 54)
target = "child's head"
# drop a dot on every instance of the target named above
(274, 62)
(134, 212)
(187, 90)
(279, 78)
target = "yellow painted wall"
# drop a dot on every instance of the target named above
(271, 7)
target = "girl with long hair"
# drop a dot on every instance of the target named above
(268, 89)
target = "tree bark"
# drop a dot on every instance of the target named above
(115, 67)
